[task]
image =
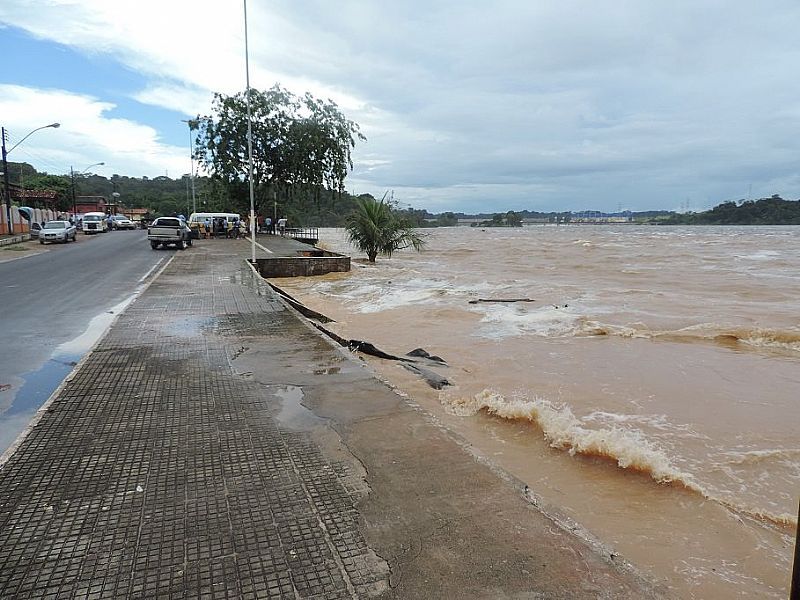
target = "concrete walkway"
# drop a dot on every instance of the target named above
(213, 445)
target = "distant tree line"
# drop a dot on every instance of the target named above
(163, 195)
(765, 211)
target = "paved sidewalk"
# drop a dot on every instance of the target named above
(214, 446)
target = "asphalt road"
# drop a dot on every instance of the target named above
(53, 305)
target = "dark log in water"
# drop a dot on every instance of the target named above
(359, 345)
(421, 353)
(487, 300)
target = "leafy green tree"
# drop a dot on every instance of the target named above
(513, 219)
(375, 228)
(446, 219)
(59, 184)
(300, 145)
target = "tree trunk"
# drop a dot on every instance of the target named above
(372, 255)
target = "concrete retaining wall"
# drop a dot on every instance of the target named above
(307, 263)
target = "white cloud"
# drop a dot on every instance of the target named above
(467, 103)
(86, 135)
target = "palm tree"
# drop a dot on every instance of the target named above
(374, 228)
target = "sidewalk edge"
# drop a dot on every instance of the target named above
(9, 452)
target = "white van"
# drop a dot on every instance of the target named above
(203, 217)
(95, 222)
(208, 220)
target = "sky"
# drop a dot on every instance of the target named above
(467, 106)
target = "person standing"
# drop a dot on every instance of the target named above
(282, 225)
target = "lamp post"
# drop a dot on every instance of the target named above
(250, 143)
(191, 162)
(72, 175)
(6, 184)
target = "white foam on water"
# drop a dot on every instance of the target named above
(762, 255)
(786, 455)
(384, 293)
(569, 320)
(772, 339)
(508, 320)
(628, 448)
(658, 422)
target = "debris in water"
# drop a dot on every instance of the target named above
(434, 380)
(424, 354)
(486, 300)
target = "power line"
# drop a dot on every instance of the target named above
(51, 167)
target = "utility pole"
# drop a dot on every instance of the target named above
(74, 199)
(191, 168)
(7, 186)
(253, 225)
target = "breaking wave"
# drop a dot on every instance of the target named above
(562, 321)
(629, 449)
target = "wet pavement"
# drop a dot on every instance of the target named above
(213, 445)
(57, 301)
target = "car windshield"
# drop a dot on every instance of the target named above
(120, 218)
(55, 225)
(91, 218)
(167, 223)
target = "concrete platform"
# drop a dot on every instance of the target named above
(213, 445)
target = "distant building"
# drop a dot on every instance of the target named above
(134, 214)
(84, 204)
(36, 198)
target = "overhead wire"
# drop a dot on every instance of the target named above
(50, 167)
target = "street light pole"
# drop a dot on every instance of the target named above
(74, 198)
(191, 162)
(250, 143)
(6, 184)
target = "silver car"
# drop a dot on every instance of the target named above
(57, 231)
(123, 222)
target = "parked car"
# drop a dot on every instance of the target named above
(169, 231)
(123, 222)
(57, 231)
(34, 230)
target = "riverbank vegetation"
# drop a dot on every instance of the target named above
(765, 211)
(314, 196)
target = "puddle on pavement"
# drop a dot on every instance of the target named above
(293, 414)
(40, 383)
(37, 387)
(189, 326)
(94, 330)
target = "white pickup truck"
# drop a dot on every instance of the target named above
(169, 231)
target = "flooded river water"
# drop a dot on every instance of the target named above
(650, 390)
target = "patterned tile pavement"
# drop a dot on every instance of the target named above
(157, 472)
